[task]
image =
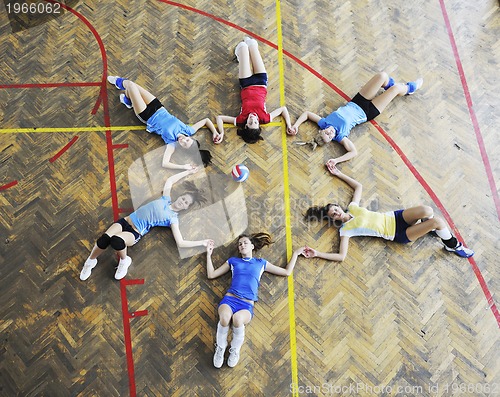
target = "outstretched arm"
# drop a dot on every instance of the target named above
(330, 256)
(351, 152)
(220, 124)
(283, 111)
(286, 271)
(166, 163)
(181, 243)
(216, 138)
(167, 188)
(357, 186)
(304, 117)
(211, 271)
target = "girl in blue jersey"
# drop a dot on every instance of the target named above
(401, 226)
(128, 231)
(365, 106)
(237, 304)
(174, 132)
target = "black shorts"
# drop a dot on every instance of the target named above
(401, 226)
(127, 227)
(368, 107)
(151, 109)
(254, 79)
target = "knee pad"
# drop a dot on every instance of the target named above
(117, 243)
(103, 241)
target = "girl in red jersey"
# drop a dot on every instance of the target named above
(253, 82)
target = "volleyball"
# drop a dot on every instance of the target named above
(240, 173)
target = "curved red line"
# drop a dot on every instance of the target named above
(472, 113)
(8, 185)
(66, 147)
(393, 144)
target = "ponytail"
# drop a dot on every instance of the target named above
(259, 240)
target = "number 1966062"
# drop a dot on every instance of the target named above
(33, 8)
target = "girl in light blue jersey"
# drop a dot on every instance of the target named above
(402, 226)
(158, 120)
(365, 106)
(237, 304)
(160, 212)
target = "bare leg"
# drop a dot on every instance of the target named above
(138, 95)
(244, 67)
(381, 101)
(370, 89)
(225, 315)
(255, 57)
(412, 215)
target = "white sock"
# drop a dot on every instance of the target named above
(238, 337)
(444, 234)
(221, 337)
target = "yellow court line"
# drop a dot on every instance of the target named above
(91, 129)
(288, 228)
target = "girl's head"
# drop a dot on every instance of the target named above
(251, 131)
(192, 146)
(331, 212)
(327, 134)
(191, 195)
(256, 241)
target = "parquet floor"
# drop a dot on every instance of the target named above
(390, 320)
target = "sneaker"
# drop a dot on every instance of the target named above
(414, 85)
(126, 101)
(234, 357)
(460, 250)
(87, 268)
(249, 41)
(240, 44)
(122, 268)
(116, 81)
(219, 356)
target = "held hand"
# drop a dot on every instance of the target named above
(217, 138)
(300, 251)
(210, 244)
(292, 130)
(332, 167)
(194, 169)
(189, 166)
(309, 252)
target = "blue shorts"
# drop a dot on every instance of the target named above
(401, 226)
(254, 79)
(236, 304)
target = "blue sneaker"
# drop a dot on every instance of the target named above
(117, 82)
(126, 101)
(389, 84)
(460, 250)
(414, 85)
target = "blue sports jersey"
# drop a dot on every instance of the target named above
(167, 126)
(155, 213)
(343, 120)
(246, 276)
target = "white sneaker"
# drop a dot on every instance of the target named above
(122, 268)
(249, 41)
(87, 268)
(234, 357)
(219, 356)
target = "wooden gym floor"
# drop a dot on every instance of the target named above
(390, 320)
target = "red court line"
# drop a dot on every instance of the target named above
(472, 113)
(120, 146)
(68, 145)
(126, 329)
(8, 185)
(398, 150)
(97, 104)
(49, 85)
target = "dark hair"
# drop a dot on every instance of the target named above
(317, 213)
(205, 155)
(250, 135)
(259, 240)
(196, 193)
